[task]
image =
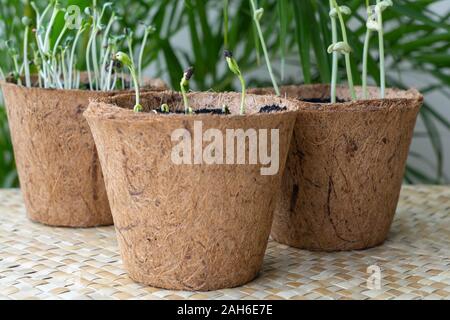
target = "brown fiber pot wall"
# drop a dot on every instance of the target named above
(190, 227)
(57, 162)
(345, 168)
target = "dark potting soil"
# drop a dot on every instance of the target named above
(219, 111)
(200, 111)
(272, 108)
(322, 100)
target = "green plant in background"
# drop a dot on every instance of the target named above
(234, 67)
(415, 36)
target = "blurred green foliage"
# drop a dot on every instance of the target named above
(297, 32)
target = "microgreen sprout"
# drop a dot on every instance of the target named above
(225, 109)
(234, 67)
(165, 108)
(343, 46)
(12, 51)
(184, 87)
(371, 26)
(257, 15)
(148, 30)
(335, 56)
(379, 8)
(128, 62)
(27, 23)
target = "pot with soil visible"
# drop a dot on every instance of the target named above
(191, 211)
(57, 163)
(345, 167)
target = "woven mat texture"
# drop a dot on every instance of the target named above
(39, 262)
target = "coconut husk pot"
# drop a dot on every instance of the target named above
(57, 162)
(345, 168)
(187, 226)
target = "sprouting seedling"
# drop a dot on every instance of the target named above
(184, 86)
(84, 26)
(234, 67)
(112, 46)
(342, 46)
(148, 30)
(165, 108)
(128, 62)
(257, 15)
(372, 25)
(129, 34)
(379, 8)
(12, 51)
(225, 109)
(27, 23)
(335, 56)
(56, 10)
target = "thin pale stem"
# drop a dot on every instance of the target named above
(185, 99)
(141, 56)
(365, 61)
(88, 62)
(136, 87)
(72, 55)
(25, 58)
(106, 33)
(105, 61)
(264, 47)
(382, 65)
(58, 40)
(241, 79)
(334, 72)
(225, 22)
(49, 29)
(347, 55)
(95, 60)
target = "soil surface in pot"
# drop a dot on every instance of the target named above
(322, 100)
(219, 111)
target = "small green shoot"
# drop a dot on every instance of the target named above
(184, 86)
(165, 108)
(234, 67)
(128, 62)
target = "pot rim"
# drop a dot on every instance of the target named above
(105, 109)
(151, 84)
(410, 98)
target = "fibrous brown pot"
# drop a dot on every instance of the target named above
(58, 167)
(345, 168)
(191, 227)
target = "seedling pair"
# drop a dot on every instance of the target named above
(232, 65)
(374, 23)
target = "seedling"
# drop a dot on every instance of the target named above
(126, 61)
(226, 110)
(379, 8)
(148, 30)
(342, 47)
(234, 67)
(257, 15)
(27, 23)
(12, 51)
(184, 87)
(165, 108)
